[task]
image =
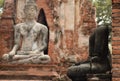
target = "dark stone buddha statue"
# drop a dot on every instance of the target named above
(99, 56)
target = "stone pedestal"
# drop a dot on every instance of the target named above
(99, 77)
(28, 72)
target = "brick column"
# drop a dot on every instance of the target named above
(116, 40)
(6, 27)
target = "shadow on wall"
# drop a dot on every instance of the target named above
(42, 19)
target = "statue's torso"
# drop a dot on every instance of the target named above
(30, 36)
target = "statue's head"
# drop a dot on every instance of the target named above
(30, 9)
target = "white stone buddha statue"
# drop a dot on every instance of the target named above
(30, 39)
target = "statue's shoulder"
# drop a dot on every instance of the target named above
(102, 29)
(41, 26)
(17, 26)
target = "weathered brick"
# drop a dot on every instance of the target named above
(116, 6)
(69, 38)
(116, 56)
(116, 15)
(116, 34)
(115, 20)
(116, 69)
(116, 75)
(115, 24)
(115, 79)
(116, 61)
(115, 66)
(115, 10)
(115, 43)
(116, 51)
(117, 38)
(116, 48)
(116, 1)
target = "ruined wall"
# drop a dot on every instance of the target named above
(70, 23)
(6, 27)
(116, 40)
(74, 20)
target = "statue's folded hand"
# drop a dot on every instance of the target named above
(5, 57)
(95, 59)
(33, 52)
(9, 56)
(12, 53)
(36, 52)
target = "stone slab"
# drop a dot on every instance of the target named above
(27, 72)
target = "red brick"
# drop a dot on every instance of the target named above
(116, 56)
(115, 15)
(116, 31)
(115, 79)
(115, 66)
(48, 12)
(115, 43)
(116, 1)
(115, 20)
(117, 38)
(116, 34)
(116, 69)
(115, 75)
(116, 51)
(117, 61)
(115, 24)
(115, 10)
(117, 47)
(69, 38)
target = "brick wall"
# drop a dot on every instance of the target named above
(6, 27)
(116, 40)
(70, 24)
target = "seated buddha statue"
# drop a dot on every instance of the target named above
(30, 39)
(99, 60)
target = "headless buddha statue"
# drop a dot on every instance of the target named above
(30, 39)
(99, 56)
